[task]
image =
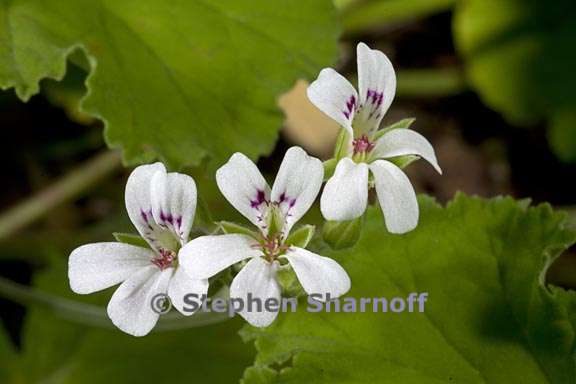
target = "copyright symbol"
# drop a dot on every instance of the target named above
(161, 303)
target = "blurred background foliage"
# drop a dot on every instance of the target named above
(489, 82)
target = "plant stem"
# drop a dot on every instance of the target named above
(432, 82)
(74, 183)
(428, 82)
(93, 315)
(361, 16)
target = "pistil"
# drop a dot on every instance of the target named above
(362, 145)
(165, 259)
(273, 246)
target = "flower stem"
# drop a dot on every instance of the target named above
(93, 315)
(74, 183)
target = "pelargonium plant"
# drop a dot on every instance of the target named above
(162, 207)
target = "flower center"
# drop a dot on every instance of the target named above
(362, 145)
(165, 259)
(272, 246)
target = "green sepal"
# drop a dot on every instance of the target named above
(329, 168)
(275, 221)
(229, 227)
(288, 281)
(403, 161)
(129, 238)
(402, 124)
(301, 236)
(341, 148)
(342, 234)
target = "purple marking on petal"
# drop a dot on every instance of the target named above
(260, 198)
(165, 218)
(351, 103)
(350, 106)
(284, 199)
(146, 217)
(374, 97)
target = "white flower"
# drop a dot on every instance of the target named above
(161, 206)
(274, 212)
(346, 193)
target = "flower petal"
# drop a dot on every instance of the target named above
(244, 187)
(94, 267)
(130, 307)
(335, 96)
(181, 285)
(318, 274)
(205, 256)
(137, 195)
(396, 196)
(401, 142)
(346, 193)
(257, 280)
(376, 85)
(138, 198)
(297, 184)
(173, 197)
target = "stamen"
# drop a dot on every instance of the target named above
(272, 246)
(165, 259)
(362, 145)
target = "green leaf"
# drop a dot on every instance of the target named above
(517, 57)
(342, 234)
(489, 317)
(174, 80)
(9, 359)
(213, 353)
(67, 94)
(301, 236)
(562, 133)
(129, 238)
